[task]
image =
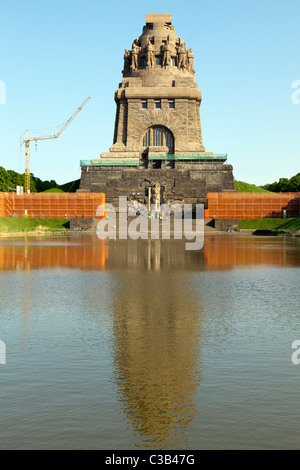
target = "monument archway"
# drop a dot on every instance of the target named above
(159, 136)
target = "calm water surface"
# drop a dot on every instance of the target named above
(136, 345)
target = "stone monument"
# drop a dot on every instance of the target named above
(158, 137)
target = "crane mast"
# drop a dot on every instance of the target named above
(26, 141)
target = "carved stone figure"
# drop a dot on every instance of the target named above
(135, 56)
(127, 60)
(156, 195)
(166, 54)
(181, 56)
(149, 54)
(190, 61)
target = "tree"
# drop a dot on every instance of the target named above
(295, 183)
(10, 179)
(285, 185)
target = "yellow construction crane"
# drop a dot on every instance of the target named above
(26, 140)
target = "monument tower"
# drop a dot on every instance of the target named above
(158, 137)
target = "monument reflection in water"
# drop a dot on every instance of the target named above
(157, 316)
(89, 253)
(157, 331)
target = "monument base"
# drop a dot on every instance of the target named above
(183, 179)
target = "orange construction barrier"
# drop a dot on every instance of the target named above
(252, 205)
(220, 205)
(2, 206)
(51, 205)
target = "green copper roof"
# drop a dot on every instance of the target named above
(110, 162)
(188, 156)
(155, 156)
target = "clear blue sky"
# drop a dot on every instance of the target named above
(55, 54)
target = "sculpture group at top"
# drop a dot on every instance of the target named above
(136, 58)
(160, 47)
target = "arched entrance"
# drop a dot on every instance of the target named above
(159, 136)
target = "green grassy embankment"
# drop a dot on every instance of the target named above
(70, 187)
(242, 187)
(14, 225)
(54, 190)
(291, 226)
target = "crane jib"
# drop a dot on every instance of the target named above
(28, 139)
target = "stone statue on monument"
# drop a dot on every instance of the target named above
(190, 61)
(127, 60)
(156, 195)
(181, 56)
(135, 56)
(149, 54)
(166, 54)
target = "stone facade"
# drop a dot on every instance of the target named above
(158, 134)
(188, 186)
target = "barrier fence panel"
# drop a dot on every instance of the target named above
(51, 206)
(2, 205)
(220, 205)
(252, 205)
